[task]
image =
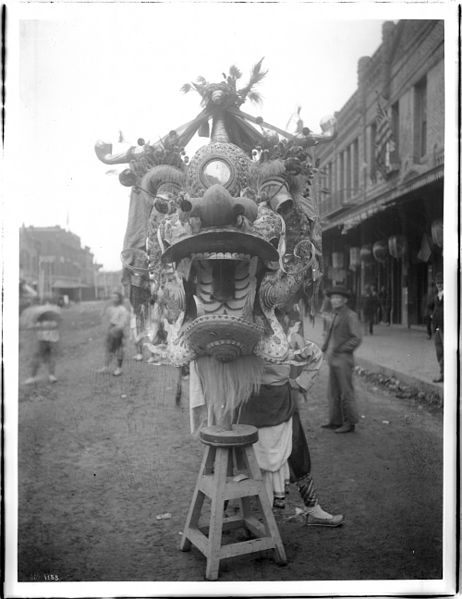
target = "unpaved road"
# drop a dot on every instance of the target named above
(100, 457)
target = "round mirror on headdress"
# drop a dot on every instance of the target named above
(218, 164)
(216, 171)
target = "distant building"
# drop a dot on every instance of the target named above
(380, 182)
(53, 262)
(108, 282)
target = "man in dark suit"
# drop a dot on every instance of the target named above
(437, 314)
(343, 337)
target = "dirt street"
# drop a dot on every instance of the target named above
(100, 457)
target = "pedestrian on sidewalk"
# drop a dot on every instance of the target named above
(46, 325)
(384, 308)
(370, 307)
(437, 309)
(118, 319)
(326, 313)
(427, 308)
(343, 337)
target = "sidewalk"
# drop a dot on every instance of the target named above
(396, 351)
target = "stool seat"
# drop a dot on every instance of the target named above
(240, 434)
(229, 470)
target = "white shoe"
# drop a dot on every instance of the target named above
(333, 521)
(117, 372)
(52, 378)
(138, 357)
(316, 516)
(31, 380)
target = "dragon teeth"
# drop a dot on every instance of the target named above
(221, 256)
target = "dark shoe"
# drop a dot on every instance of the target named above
(329, 425)
(279, 503)
(346, 428)
(335, 520)
(439, 380)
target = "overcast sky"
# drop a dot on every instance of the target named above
(85, 74)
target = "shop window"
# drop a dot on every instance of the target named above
(420, 119)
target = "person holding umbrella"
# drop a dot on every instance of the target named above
(46, 320)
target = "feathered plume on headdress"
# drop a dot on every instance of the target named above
(247, 91)
(235, 96)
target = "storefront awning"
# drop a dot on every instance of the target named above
(362, 212)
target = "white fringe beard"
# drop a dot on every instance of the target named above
(228, 385)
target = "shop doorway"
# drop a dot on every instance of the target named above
(395, 289)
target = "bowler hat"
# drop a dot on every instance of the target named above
(339, 290)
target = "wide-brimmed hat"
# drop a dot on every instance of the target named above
(339, 290)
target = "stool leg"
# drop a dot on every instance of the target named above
(268, 516)
(216, 513)
(197, 501)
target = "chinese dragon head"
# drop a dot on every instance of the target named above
(232, 234)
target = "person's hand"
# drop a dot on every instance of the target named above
(306, 352)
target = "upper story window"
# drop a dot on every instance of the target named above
(355, 161)
(373, 164)
(394, 154)
(420, 119)
(347, 195)
(342, 175)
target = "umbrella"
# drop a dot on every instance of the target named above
(33, 314)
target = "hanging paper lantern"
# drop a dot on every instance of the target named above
(337, 259)
(380, 250)
(437, 232)
(366, 253)
(355, 258)
(397, 245)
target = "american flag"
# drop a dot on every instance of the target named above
(384, 143)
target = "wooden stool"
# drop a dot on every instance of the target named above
(225, 449)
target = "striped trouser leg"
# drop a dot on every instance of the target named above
(307, 491)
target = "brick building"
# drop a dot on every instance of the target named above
(53, 262)
(380, 188)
